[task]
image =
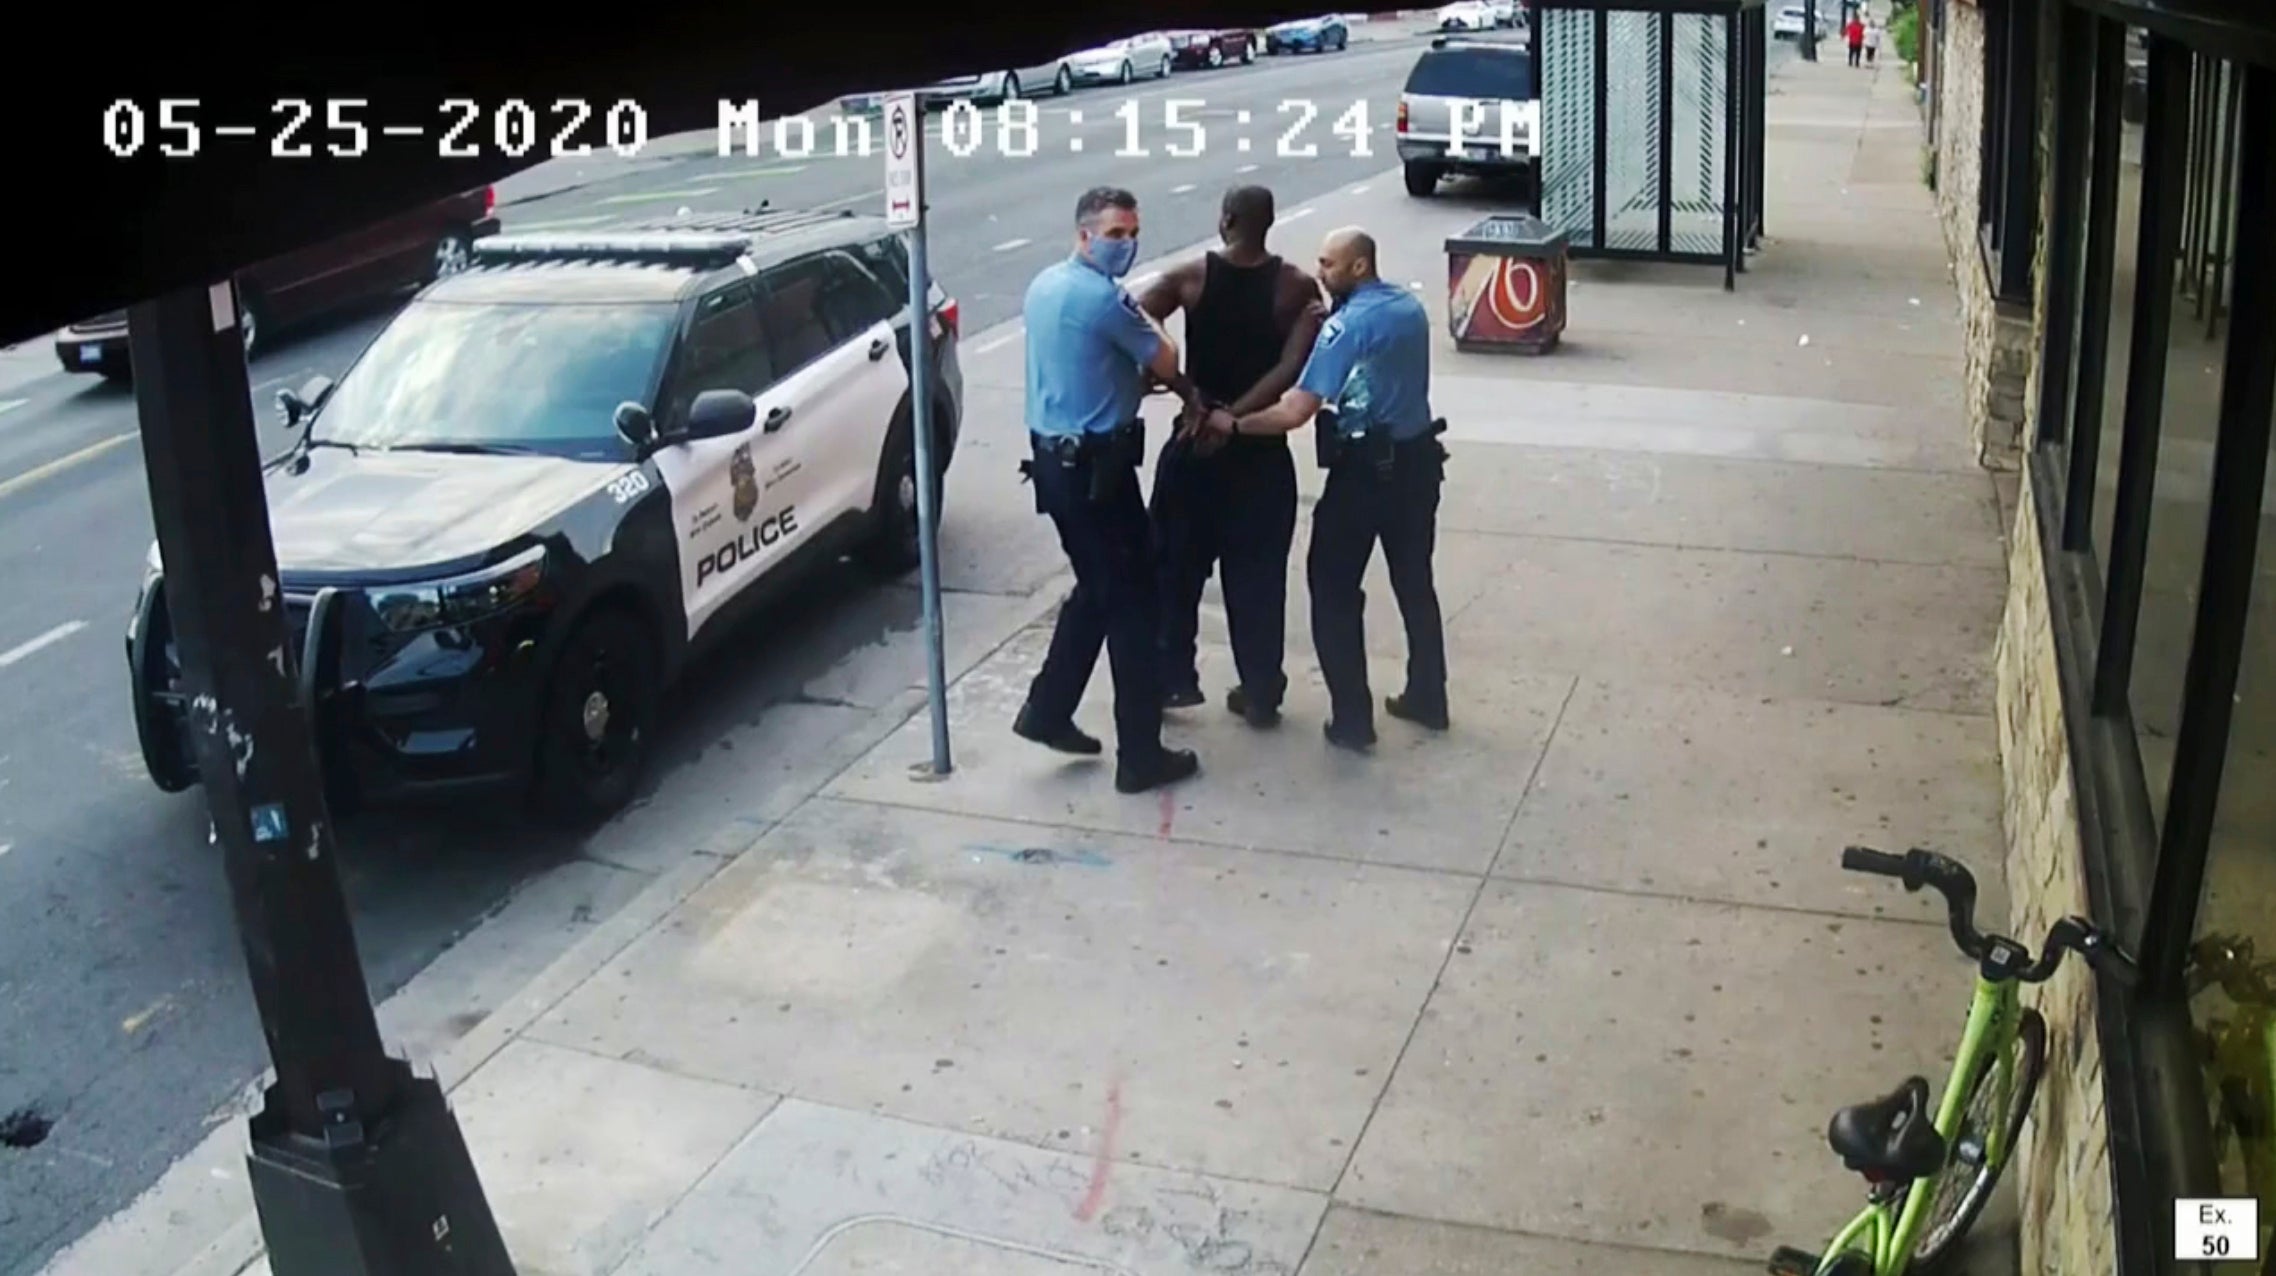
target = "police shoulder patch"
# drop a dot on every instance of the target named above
(1129, 302)
(1331, 330)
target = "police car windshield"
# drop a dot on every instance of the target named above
(508, 377)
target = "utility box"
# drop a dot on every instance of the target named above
(1505, 280)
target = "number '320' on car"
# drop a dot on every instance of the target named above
(558, 474)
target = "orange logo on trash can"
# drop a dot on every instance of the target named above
(1498, 297)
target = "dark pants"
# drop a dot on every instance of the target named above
(1856, 52)
(1233, 512)
(1359, 507)
(1114, 604)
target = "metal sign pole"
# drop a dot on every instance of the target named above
(905, 210)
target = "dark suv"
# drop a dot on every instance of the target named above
(559, 472)
(1483, 88)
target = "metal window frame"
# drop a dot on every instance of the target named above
(2007, 191)
(2143, 880)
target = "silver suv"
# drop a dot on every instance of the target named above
(1469, 106)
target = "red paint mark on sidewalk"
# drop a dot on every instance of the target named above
(1104, 1163)
(1169, 811)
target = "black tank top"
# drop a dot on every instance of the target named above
(1232, 335)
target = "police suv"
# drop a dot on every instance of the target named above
(561, 472)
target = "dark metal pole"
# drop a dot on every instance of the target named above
(1808, 40)
(928, 500)
(357, 1167)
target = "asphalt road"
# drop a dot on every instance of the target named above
(124, 1014)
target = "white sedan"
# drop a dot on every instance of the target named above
(1467, 15)
(1140, 57)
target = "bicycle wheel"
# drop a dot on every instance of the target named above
(1960, 1192)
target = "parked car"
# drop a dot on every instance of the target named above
(1789, 23)
(386, 257)
(1191, 49)
(559, 474)
(990, 87)
(1307, 35)
(1490, 86)
(1467, 15)
(1140, 57)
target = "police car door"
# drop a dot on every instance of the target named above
(830, 325)
(727, 533)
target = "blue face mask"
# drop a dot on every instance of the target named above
(1114, 256)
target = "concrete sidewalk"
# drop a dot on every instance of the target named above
(1572, 989)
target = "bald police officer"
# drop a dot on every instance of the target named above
(1089, 352)
(1378, 441)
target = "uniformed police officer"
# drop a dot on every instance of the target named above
(1089, 351)
(1379, 444)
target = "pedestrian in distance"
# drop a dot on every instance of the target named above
(1229, 504)
(1872, 42)
(1090, 351)
(1855, 32)
(1368, 382)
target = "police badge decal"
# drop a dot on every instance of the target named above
(745, 477)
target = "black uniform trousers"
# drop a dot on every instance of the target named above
(1103, 527)
(1363, 504)
(1232, 512)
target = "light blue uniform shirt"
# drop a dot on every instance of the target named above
(1371, 363)
(1087, 346)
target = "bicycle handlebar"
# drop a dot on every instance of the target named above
(1951, 879)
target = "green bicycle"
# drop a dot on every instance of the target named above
(1896, 1143)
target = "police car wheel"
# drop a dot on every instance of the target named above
(154, 674)
(599, 710)
(891, 548)
(1422, 179)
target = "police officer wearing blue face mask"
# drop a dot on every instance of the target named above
(1370, 368)
(1090, 350)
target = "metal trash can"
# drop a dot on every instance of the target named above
(1506, 285)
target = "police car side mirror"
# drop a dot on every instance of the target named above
(635, 425)
(718, 413)
(298, 406)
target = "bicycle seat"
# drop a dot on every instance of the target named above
(1890, 1138)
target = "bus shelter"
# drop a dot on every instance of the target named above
(1652, 127)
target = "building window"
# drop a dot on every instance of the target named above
(2007, 192)
(2103, 411)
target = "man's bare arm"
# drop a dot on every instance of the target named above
(1293, 353)
(1171, 291)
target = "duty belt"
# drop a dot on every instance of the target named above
(1102, 452)
(1338, 448)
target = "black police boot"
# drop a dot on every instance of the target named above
(1259, 716)
(1136, 775)
(1358, 740)
(1185, 697)
(1066, 739)
(1432, 717)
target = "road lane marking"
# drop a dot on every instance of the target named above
(1246, 168)
(44, 641)
(1000, 340)
(1294, 213)
(62, 463)
(10, 405)
(1180, 190)
(1010, 244)
(1360, 189)
(771, 170)
(649, 197)
(562, 223)
(849, 199)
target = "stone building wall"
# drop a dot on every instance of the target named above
(2061, 1170)
(1999, 349)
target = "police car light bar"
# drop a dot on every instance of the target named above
(673, 248)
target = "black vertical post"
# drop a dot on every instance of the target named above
(1602, 96)
(2224, 595)
(2164, 167)
(2109, 39)
(2073, 63)
(2224, 192)
(2193, 198)
(358, 1168)
(1808, 40)
(1758, 93)
(1666, 125)
(1732, 155)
